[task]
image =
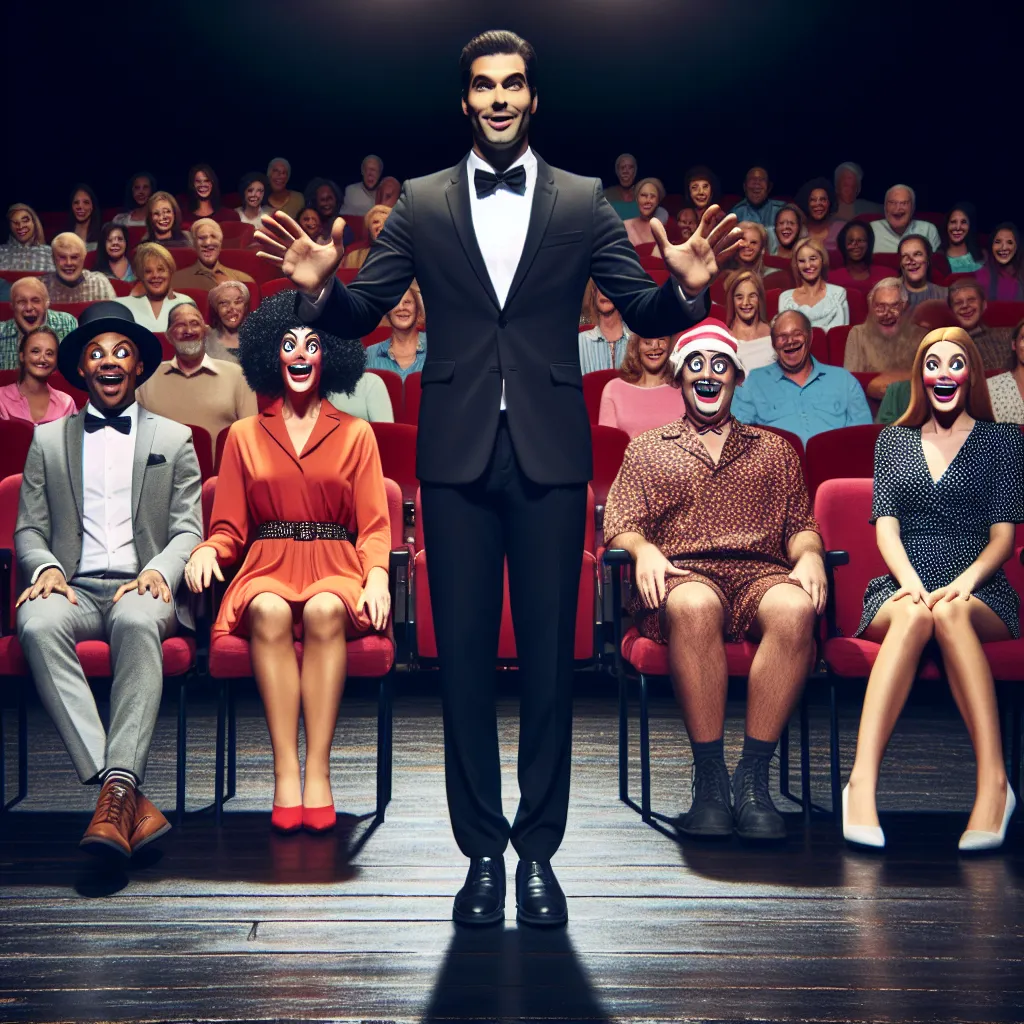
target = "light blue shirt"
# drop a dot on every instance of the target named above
(764, 214)
(830, 399)
(596, 351)
(379, 357)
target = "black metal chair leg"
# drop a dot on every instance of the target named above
(784, 765)
(623, 739)
(382, 752)
(232, 739)
(645, 752)
(218, 765)
(1017, 722)
(179, 790)
(805, 757)
(833, 743)
(22, 743)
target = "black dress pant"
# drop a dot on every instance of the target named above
(469, 531)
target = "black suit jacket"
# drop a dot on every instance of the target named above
(531, 342)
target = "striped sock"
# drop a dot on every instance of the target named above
(121, 774)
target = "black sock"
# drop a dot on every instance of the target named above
(758, 748)
(713, 750)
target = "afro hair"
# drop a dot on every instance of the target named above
(259, 348)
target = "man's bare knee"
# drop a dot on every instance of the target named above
(788, 612)
(694, 607)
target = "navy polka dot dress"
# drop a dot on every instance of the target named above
(944, 526)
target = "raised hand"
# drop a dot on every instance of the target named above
(307, 264)
(697, 262)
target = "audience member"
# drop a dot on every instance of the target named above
(686, 222)
(944, 533)
(85, 218)
(1007, 389)
(789, 229)
(622, 195)
(253, 189)
(373, 224)
(154, 268)
(822, 303)
(325, 197)
(229, 304)
(645, 395)
(310, 222)
(604, 345)
(71, 282)
(388, 192)
(31, 305)
(797, 393)
(900, 204)
(361, 195)
(30, 397)
(962, 248)
(1002, 276)
(746, 316)
(756, 205)
(369, 401)
(104, 556)
(649, 194)
(405, 351)
(888, 339)
(163, 222)
(817, 202)
(752, 246)
(916, 270)
(855, 245)
(279, 196)
(966, 299)
(192, 387)
(203, 193)
(702, 188)
(718, 521)
(112, 253)
(26, 247)
(207, 271)
(137, 192)
(848, 178)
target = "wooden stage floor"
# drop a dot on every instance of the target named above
(232, 923)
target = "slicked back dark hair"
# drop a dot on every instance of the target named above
(259, 347)
(488, 44)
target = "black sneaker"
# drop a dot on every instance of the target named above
(756, 816)
(710, 813)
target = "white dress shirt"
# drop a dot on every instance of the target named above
(108, 540)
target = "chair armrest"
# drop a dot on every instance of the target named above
(617, 559)
(6, 574)
(834, 558)
(617, 556)
(398, 587)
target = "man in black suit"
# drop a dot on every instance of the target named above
(502, 246)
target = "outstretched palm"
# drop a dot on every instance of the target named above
(307, 264)
(697, 262)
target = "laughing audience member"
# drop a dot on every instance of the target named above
(361, 195)
(388, 192)
(649, 194)
(702, 188)
(900, 204)
(193, 388)
(855, 244)
(207, 271)
(962, 249)
(137, 191)
(756, 204)
(26, 247)
(966, 299)
(405, 351)
(163, 222)
(746, 316)
(31, 306)
(822, 303)
(30, 397)
(154, 267)
(818, 202)
(229, 304)
(1002, 277)
(112, 253)
(916, 271)
(686, 222)
(85, 218)
(798, 393)
(253, 189)
(603, 346)
(788, 230)
(373, 224)
(622, 195)
(279, 196)
(848, 178)
(203, 193)
(888, 339)
(71, 282)
(646, 394)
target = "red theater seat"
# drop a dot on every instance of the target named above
(381, 333)
(200, 297)
(248, 262)
(848, 452)
(277, 284)
(396, 392)
(837, 343)
(203, 444)
(411, 404)
(857, 302)
(609, 446)
(15, 439)
(237, 235)
(396, 443)
(1004, 314)
(593, 386)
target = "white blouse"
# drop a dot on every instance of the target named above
(1007, 402)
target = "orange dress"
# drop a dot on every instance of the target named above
(337, 479)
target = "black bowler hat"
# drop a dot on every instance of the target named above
(102, 318)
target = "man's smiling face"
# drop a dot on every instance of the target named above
(499, 102)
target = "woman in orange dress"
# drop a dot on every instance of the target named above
(301, 496)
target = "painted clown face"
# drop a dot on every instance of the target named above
(946, 375)
(301, 360)
(708, 382)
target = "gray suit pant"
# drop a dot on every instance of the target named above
(135, 628)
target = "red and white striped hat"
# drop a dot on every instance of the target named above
(709, 335)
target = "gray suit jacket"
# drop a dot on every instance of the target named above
(166, 501)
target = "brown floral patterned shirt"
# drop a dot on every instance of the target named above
(747, 507)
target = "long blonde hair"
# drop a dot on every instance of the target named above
(38, 236)
(979, 404)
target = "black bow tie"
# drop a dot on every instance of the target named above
(513, 179)
(713, 429)
(94, 423)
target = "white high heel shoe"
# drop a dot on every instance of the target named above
(863, 835)
(975, 840)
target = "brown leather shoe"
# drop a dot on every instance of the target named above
(111, 825)
(150, 824)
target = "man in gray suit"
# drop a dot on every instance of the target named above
(109, 512)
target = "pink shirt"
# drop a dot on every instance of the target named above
(14, 405)
(635, 409)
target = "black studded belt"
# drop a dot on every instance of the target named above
(280, 530)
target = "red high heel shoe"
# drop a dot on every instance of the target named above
(286, 819)
(319, 819)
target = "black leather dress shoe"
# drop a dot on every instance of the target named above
(539, 897)
(756, 815)
(710, 813)
(482, 899)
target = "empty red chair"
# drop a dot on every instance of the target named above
(136, 232)
(237, 235)
(411, 404)
(396, 392)
(772, 301)
(848, 452)
(249, 262)
(396, 443)
(857, 302)
(609, 446)
(15, 439)
(203, 444)
(200, 297)
(1004, 314)
(593, 386)
(272, 287)
(888, 259)
(819, 344)
(837, 342)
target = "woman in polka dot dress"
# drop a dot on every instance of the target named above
(949, 487)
